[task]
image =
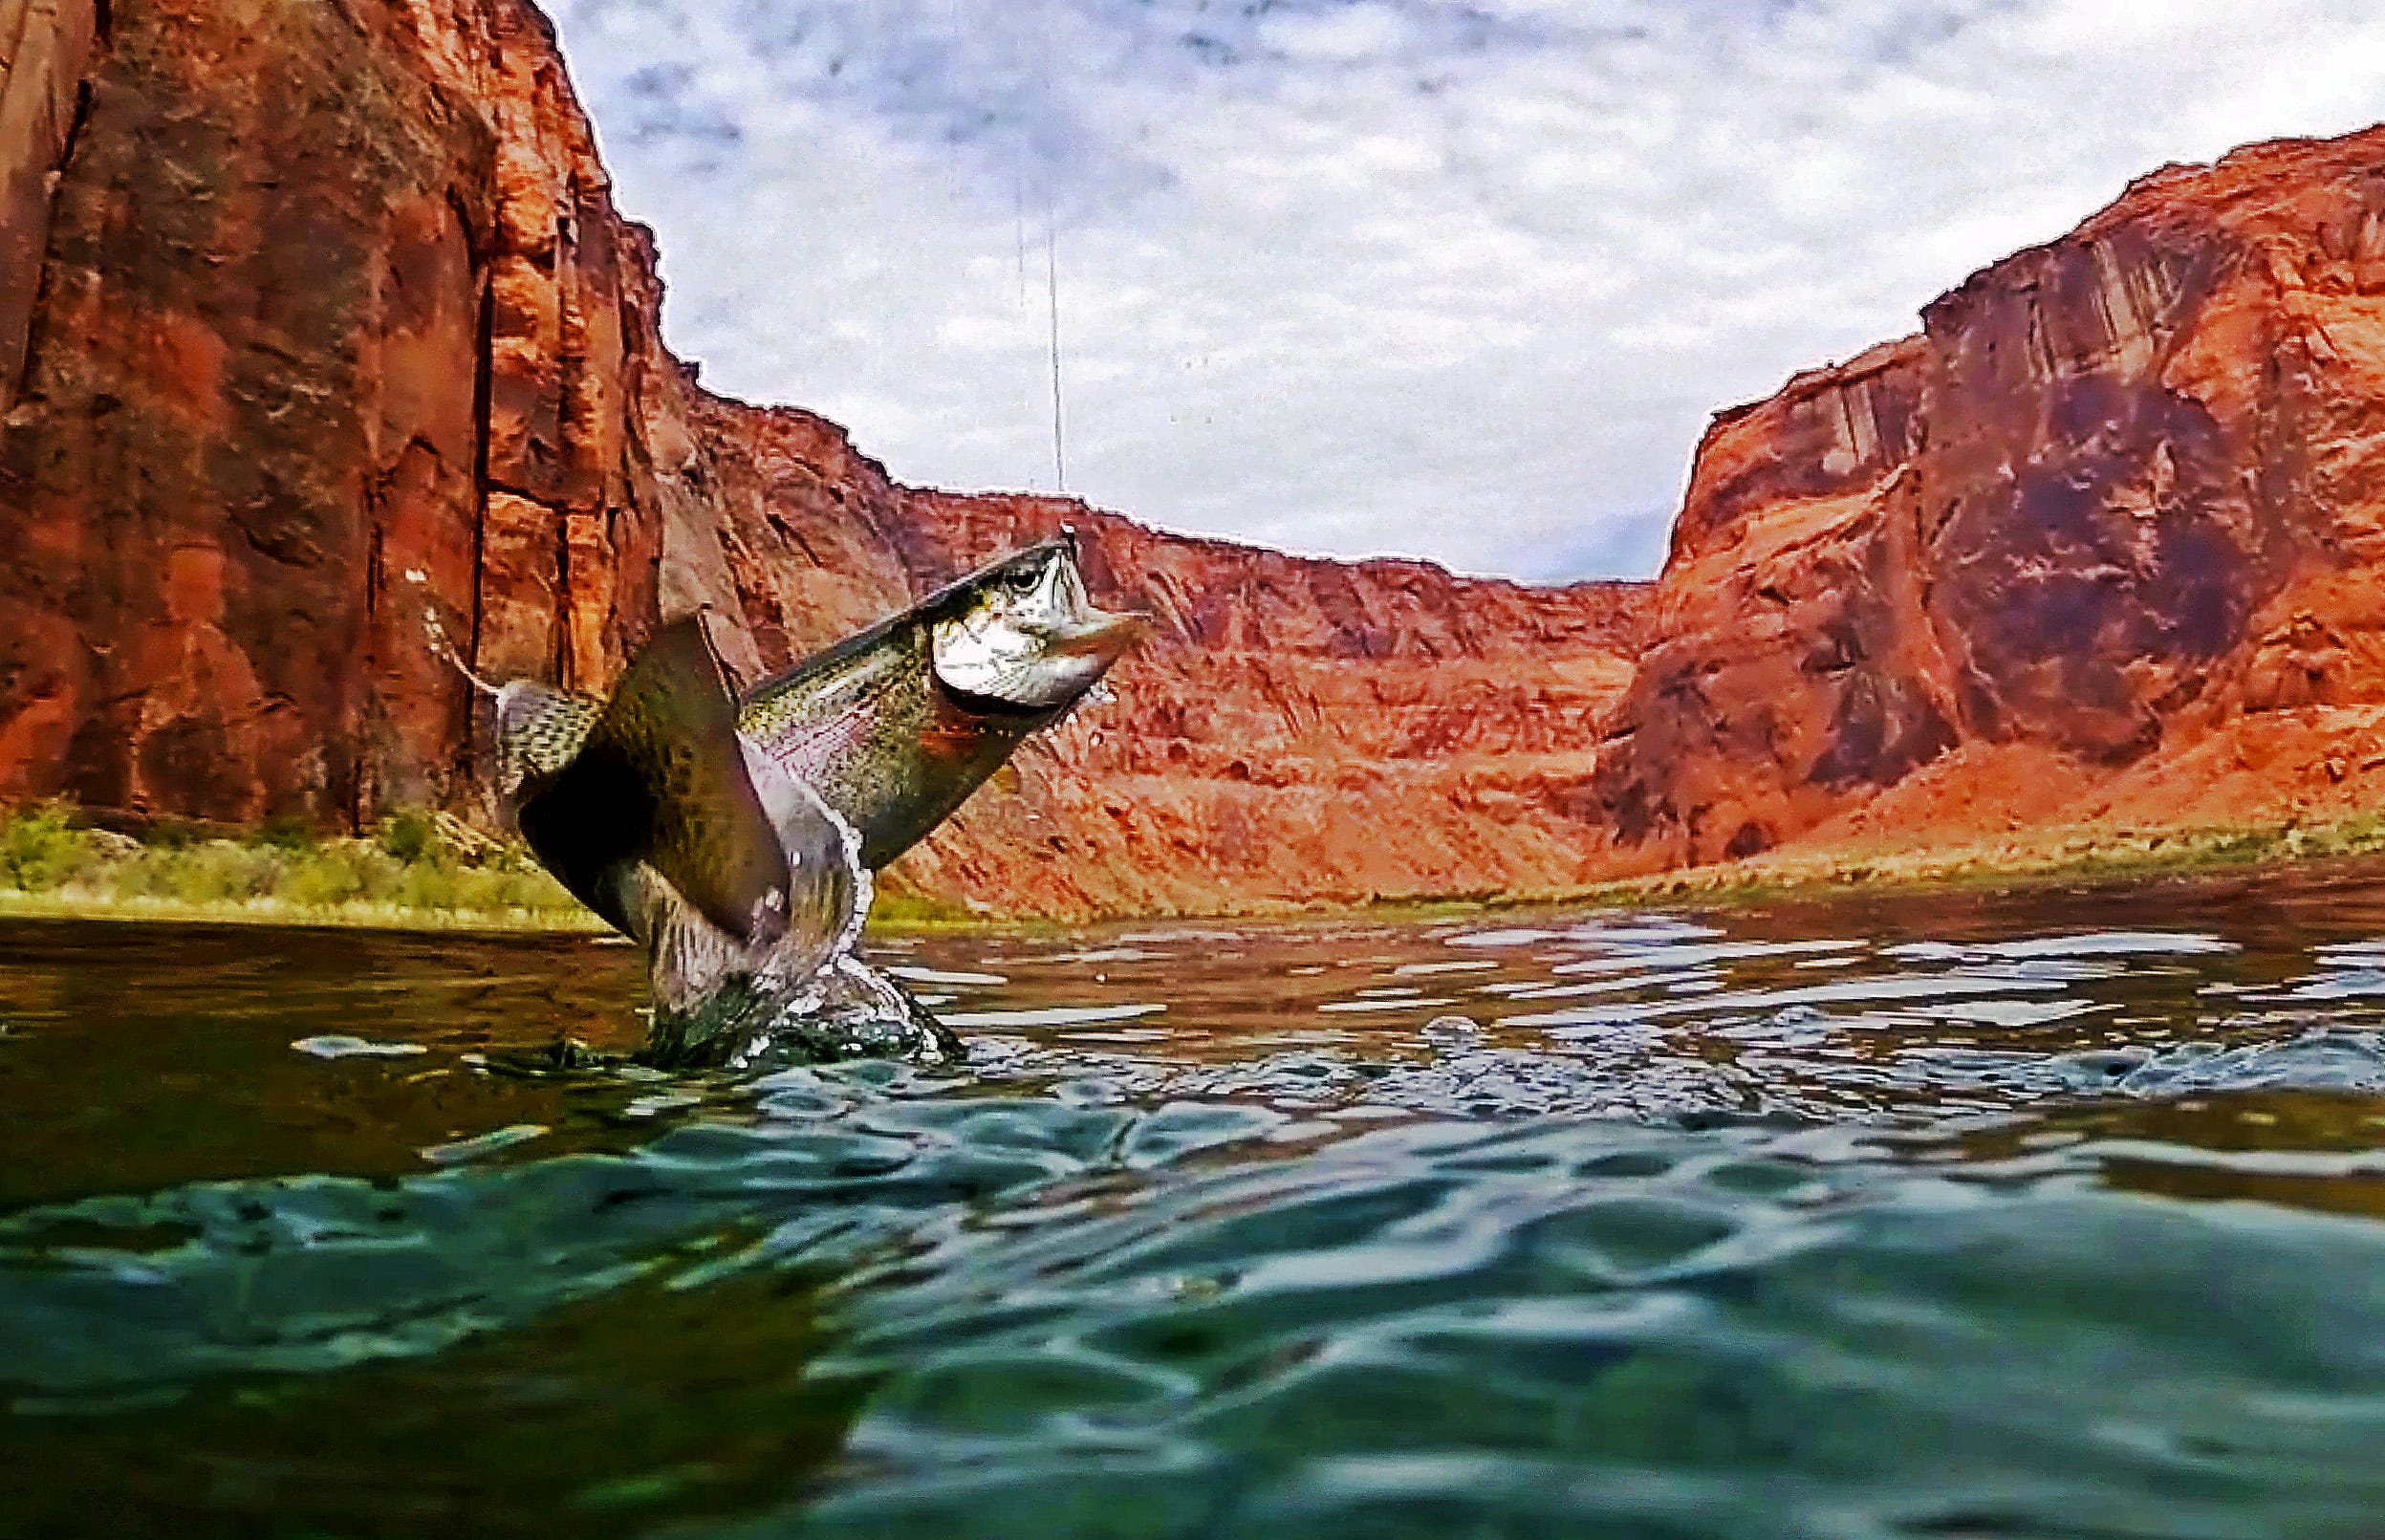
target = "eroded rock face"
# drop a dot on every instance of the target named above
(336, 359)
(324, 355)
(45, 46)
(1298, 728)
(2122, 491)
(238, 430)
(1293, 731)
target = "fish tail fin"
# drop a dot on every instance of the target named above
(661, 778)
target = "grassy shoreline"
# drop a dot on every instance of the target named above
(433, 874)
(416, 872)
(2066, 855)
(276, 915)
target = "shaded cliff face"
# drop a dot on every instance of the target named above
(324, 355)
(2118, 501)
(247, 437)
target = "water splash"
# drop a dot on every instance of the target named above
(780, 1010)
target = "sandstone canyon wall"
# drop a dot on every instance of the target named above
(2102, 543)
(322, 348)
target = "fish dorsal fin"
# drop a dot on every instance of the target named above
(661, 778)
(539, 729)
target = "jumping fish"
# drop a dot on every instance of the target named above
(733, 838)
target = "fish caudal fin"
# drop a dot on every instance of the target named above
(660, 779)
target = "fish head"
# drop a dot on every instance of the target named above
(1022, 636)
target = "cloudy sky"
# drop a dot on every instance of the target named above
(1460, 280)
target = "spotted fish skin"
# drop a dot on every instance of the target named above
(886, 747)
(648, 806)
(733, 838)
(894, 726)
(539, 729)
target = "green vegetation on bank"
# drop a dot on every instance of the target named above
(2077, 855)
(416, 871)
(898, 908)
(432, 872)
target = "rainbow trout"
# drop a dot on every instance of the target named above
(732, 838)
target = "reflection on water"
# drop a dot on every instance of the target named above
(2057, 1214)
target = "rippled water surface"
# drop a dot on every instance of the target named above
(2031, 1215)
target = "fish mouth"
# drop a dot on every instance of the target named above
(1105, 634)
(1077, 628)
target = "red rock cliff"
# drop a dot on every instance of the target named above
(322, 346)
(2101, 543)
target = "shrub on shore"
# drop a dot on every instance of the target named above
(414, 862)
(41, 850)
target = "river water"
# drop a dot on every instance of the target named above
(2043, 1214)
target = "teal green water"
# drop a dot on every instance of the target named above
(2057, 1214)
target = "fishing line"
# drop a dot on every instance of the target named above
(1052, 280)
(435, 636)
(439, 646)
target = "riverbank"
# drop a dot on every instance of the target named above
(435, 873)
(417, 871)
(2079, 853)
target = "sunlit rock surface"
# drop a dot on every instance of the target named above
(319, 334)
(2099, 543)
(341, 338)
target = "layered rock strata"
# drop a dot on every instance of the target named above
(332, 361)
(2104, 533)
(325, 359)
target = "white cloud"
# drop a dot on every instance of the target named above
(1455, 280)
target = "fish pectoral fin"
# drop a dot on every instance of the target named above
(661, 778)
